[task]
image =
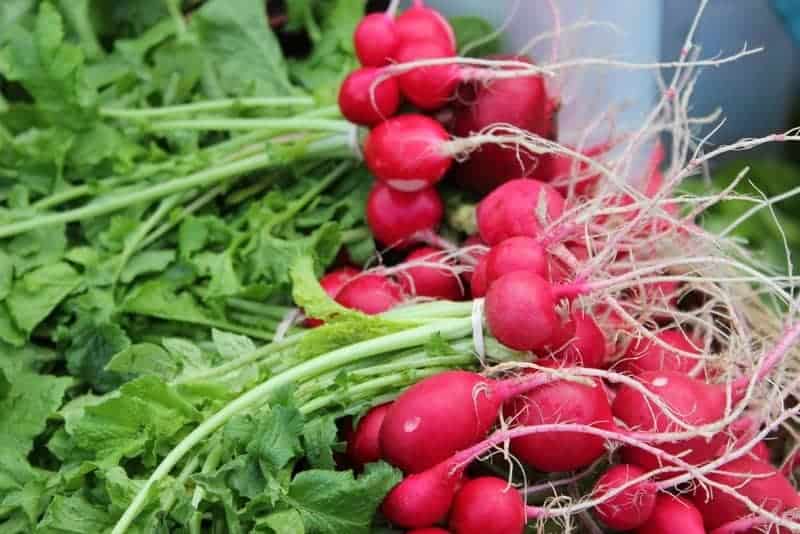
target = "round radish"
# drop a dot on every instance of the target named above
(478, 282)
(332, 283)
(473, 255)
(514, 209)
(406, 152)
(630, 508)
(375, 39)
(420, 23)
(395, 217)
(432, 530)
(519, 253)
(521, 311)
(586, 347)
(424, 281)
(673, 515)
(362, 101)
(422, 499)
(430, 87)
(363, 446)
(563, 169)
(370, 294)
(487, 505)
(560, 402)
(645, 355)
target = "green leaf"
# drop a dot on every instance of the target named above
(91, 349)
(332, 502)
(471, 30)
(8, 330)
(144, 358)
(6, 275)
(33, 297)
(277, 437)
(319, 437)
(232, 346)
(284, 522)
(74, 515)
(149, 261)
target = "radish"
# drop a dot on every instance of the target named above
(424, 281)
(420, 23)
(422, 499)
(519, 253)
(522, 102)
(630, 508)
(478, 281)
(515, 208)
(586, 347)
(332, 283)
(645, 355)
(375, 39)
(429, 531)
(444, 413)
(362, 101)
(473, 256)
(395, 217)
(363, 446)
(431, 87)
(566, 173)
(487, 505)
(673, 515)
(560, 402)
(406, 152)
(370, 294)
(751, 478)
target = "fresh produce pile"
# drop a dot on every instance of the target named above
(215, 318)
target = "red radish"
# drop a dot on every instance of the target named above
(375, 39)
(521, 311)
(478, 283)
(429, 88)
(519, 253)
(673, 515)
(406, 152)
(761, 451)
(332, 283)
(566, 172)
(522, 102)
(362, 101)
(474, 255)
(514, 209)
(419, 23)
(487, 505)
(363, 446)
(586, 347)
(424, 281)
(371, 294)
(445, 413)
(645, 355)
(560, 402)
(560, 271)
(751, 478)
(422, 499)
(630, 508)
(432, 530)
(395, 217)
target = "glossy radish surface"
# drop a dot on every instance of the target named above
(420, 23)
(375, 39)
(586, 345)
(427, 87)
(366, 99)
(332, 283)
(519, 253)
(394, 217)
(363, 446)
(422, 499)
(630, 508)
(514, 209)
(646, 355)
(371, 294)
(479, 283)
(487, 505)
(430, 281)
(672, 515)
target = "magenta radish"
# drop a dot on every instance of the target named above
(487, 505)
(422, 499)
(365, 100)
(514, 209)
(519, 253)
(473, 256)
(425, 281)
(673, 515)
(644, 355)
(560, 402)
(566, 173)
(586, 346)
(420, 23)
(630, 508)
(751, 478)
(478, 282)
(363, 446)
(407, 153)
(431, 87)
(375, 39)
(370, 294)
(332, 283)
(396, 218)
(432, 530)
(444, 413)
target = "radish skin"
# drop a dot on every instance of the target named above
(487, 505)
(630, 508)
(363, 446)
(422, 499)
(375, 39)
(395, 218)
(366, 99)
(332, 283)
(370, 294)
(424, 281)
(673, 515)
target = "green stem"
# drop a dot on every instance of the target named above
(209, 105)
(211, 462)
(448, 329)
(177, 16)
(286, 125)
(255, 321)
(180, 482)
(197, 204)
(267, 310)
(415, 363)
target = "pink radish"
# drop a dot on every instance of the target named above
(362, 101)
(565, 172)
(375, 39)
(395, 217)
(363, 446)
(406, 152)
(519, 253)
(630, 508)
(371, 294)
(560, 402)
(487, 505)
(514, 209)
(422, 499)
(473, 256)
(645, 355)
(429, 88)
(673, 515)
(586, 347)
(424, 281)
(433, 530)
(419, 23)
(444, 413)
(478, 282)
(751, 478)
(332, 283)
